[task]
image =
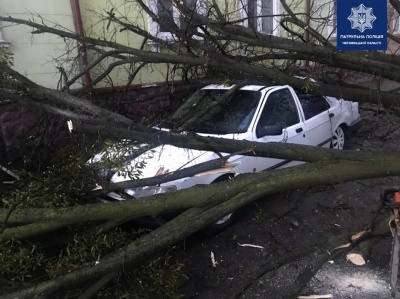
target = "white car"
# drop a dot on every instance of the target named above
(254, 113)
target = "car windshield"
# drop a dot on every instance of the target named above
(217, 111)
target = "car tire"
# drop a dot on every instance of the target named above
(226, 221)
(338, 138)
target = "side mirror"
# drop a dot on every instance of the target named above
(272, 130)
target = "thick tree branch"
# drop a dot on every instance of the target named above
(198, 217)
(387, 65)
(271, 149)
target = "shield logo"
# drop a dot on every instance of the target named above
(362, 18)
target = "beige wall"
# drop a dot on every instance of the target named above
(37, 55)
(95, 25)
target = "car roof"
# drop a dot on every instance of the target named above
(246, 87)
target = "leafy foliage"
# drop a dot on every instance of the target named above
(6, 56)
(115, 157)
(164, 276)
(86, 250)
(160, 277)
(65, 182)
(18, 260)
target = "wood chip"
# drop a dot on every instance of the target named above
(251, 245)
(70, 126)
(213, 261)
(98, 187)
(343, 246)
(356, 259)
(227, 168)
(357, 235)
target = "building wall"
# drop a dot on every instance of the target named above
(36, 55)
(96, 26)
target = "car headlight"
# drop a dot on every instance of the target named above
(149, 190)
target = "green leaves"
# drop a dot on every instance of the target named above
(116, 157)
(65, 182)
(19, 260)
(86, 250)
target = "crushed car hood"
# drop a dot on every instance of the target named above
(167, 158)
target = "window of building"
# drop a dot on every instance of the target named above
(261, 15)
(394, 21)
(332, 19)
(169, 13)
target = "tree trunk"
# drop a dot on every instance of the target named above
(341, 244)
(254, 185)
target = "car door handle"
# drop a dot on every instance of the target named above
(331, 115)
(298, 130)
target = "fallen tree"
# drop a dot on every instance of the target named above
(247, 188)
(327, 166)
(203, 205)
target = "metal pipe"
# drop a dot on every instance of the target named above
(76, 12)
(307, 34)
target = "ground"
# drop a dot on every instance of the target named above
(292, 223)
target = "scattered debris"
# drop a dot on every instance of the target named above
(328, 296)
(295, 223)
(70, 125)
(251, 245)
(213, 261)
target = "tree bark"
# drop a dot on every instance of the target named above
(279, 150)
(256, 186)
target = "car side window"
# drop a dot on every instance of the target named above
(313, 105)
(280, 109)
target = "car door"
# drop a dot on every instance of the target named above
(317, 119)
(280, 120)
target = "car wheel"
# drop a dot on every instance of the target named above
(226, 221)
(338, 138)
(221, 225)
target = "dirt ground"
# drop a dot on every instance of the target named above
(292, 222)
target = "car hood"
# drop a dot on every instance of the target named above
(166, 158)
